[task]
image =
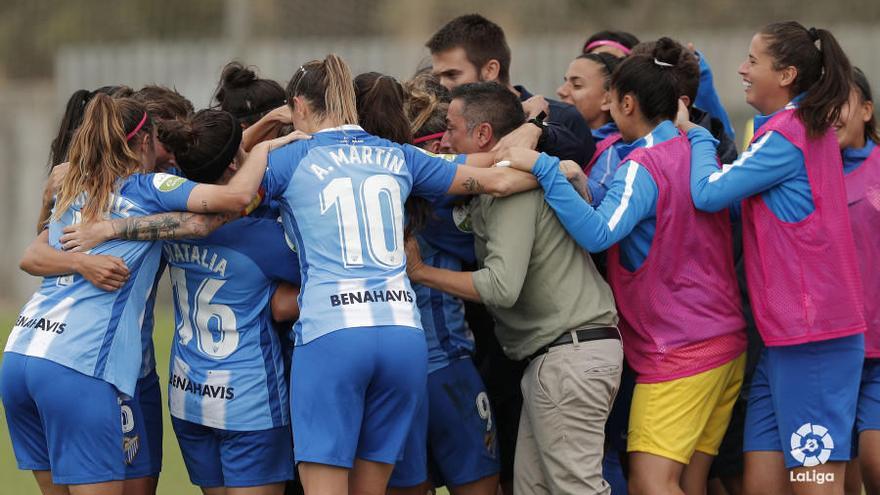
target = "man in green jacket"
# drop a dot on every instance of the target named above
(550, 305)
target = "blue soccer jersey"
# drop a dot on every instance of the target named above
(341, 195)
(227, 370)
(148, 361)
(98, 333)
(446, 331)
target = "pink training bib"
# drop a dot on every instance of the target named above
(681, 310)
(863, 198)
(803, 277)
(601, 146)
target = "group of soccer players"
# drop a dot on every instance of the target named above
(291, 220)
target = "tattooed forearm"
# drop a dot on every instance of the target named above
(473, 186)
(174, 225)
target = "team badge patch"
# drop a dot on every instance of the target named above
(461, 215)
(446, 156)
(131, 446)
(167, 182)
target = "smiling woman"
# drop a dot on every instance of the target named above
(799, 252)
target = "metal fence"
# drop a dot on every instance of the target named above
(31, 110)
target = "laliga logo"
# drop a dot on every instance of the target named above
(811, 445)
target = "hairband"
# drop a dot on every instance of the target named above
(211, 170)
(613, 44)
(436, 135)
(662, 63)
(137, 128)
(814, 34)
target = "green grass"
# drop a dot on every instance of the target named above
(174, 479)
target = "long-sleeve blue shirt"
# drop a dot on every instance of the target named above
(772, 167)
(605, 165)
(854, 157)
(627, 215)
(707, 98)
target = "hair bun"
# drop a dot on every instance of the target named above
(235, 75)
(177, 134)
(666, 52)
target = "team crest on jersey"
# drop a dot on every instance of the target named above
(167, 182)
(461, 216)
(290, 244)
(446, 156)
(131, 447)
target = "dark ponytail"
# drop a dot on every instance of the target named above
(203, 145)
(380, 107)
(73, 117)
(328, 87)
(652, 80)
(246, 96)
(823, 72)
(687, 68)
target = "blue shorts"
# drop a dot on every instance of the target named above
(216, 457)
(868, 411)
(354, 394)
(803, 401)
(142, 429)
(454, 434)
(62, 421)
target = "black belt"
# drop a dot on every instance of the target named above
(585, 335)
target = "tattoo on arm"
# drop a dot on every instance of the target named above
(472, 185)
(173, 225)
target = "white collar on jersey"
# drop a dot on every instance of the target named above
(346, 127)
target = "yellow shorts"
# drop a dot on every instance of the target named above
(675, 418)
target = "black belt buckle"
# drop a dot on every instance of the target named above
(584, 335)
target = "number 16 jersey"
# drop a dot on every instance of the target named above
(342, 194)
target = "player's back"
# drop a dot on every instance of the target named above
(72, 322)
(344, 204)
(226, 366)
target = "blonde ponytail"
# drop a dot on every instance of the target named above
(99, 155)
(339, 95)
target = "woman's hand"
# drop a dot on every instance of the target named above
(683, 118)
(286, 139)
(414, 263)
(575, 174)
(281, 115)
(518, 158)
(82, 237)
(105, 272)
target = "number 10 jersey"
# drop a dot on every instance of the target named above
(342, 195)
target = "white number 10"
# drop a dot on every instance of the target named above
(340, 192)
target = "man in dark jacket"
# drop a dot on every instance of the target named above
(471, 48)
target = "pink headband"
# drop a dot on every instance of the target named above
(137, 128)
(436, 135)
(610, 43)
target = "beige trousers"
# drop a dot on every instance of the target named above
(567, 396)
